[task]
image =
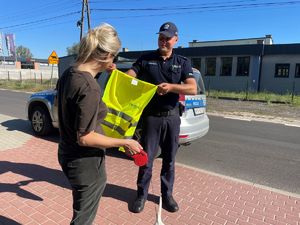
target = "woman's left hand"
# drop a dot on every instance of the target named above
(132, 147)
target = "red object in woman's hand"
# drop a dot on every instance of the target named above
(140, 159)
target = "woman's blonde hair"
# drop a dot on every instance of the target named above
(99, 43)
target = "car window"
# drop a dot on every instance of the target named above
(102, 79)
(200, 83)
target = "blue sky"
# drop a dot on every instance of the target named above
(44, 26)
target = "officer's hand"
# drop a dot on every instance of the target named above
(132, 147)
(163, 88)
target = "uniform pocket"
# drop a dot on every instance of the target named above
(175, 74)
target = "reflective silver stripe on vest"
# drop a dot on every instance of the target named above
(123, 116)
(114, 127)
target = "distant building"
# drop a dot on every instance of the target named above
(253, 64)
(267, 40)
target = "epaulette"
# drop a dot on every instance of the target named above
(182, 57)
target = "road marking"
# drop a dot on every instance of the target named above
(295, 123)
(292, 125)
(237, 118)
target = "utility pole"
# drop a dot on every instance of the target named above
(88, 13)
(85, 7)
(81, 22)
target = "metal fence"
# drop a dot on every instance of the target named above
(247, 90)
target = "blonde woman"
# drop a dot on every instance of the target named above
(81, 151)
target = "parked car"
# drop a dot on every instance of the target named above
(194, 120)
(42, 110)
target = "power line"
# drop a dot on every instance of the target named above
(42, 26)
(110, 1)
(41, 20)
(38, 9)
(189, 10)
(200, 6)
(230, 5)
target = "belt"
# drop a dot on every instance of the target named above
(171, 112)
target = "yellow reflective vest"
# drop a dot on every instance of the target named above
(125, 97)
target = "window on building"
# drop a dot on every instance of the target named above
(297, 71)
(196, 63)
(226, 66)
(243, 65)
(27, 65)
(210, 66)
(282, 70)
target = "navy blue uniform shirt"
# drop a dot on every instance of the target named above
(154, 69)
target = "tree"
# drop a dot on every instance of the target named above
(74, 49)
(23, 52)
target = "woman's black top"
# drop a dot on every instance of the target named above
(80, 110)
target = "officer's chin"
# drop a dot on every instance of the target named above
(163, 49)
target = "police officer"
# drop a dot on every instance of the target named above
(160, 121)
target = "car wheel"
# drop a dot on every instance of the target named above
(40, 121)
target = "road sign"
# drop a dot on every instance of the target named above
(53, 58)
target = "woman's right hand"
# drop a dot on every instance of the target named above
(132, 146)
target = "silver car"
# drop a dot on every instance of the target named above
(194, 120)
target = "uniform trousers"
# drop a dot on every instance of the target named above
(87, 177)
(163, 132)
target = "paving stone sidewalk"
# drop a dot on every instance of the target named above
(33, 190)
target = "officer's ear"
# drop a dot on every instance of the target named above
(176, 38)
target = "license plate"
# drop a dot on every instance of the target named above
(198, 111)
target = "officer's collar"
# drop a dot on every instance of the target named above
(159, 55)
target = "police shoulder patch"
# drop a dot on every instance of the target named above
(182, 57)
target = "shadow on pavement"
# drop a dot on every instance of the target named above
(25, 127)
(35, 173)
(125, 194)
(18, 125)
(7, 221)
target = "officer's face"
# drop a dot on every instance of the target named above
(166, 44)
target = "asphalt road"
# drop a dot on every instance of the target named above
(259, 152)
(13, 103)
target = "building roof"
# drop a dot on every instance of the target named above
(282, 49)
(267, 40)
(226, 50)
